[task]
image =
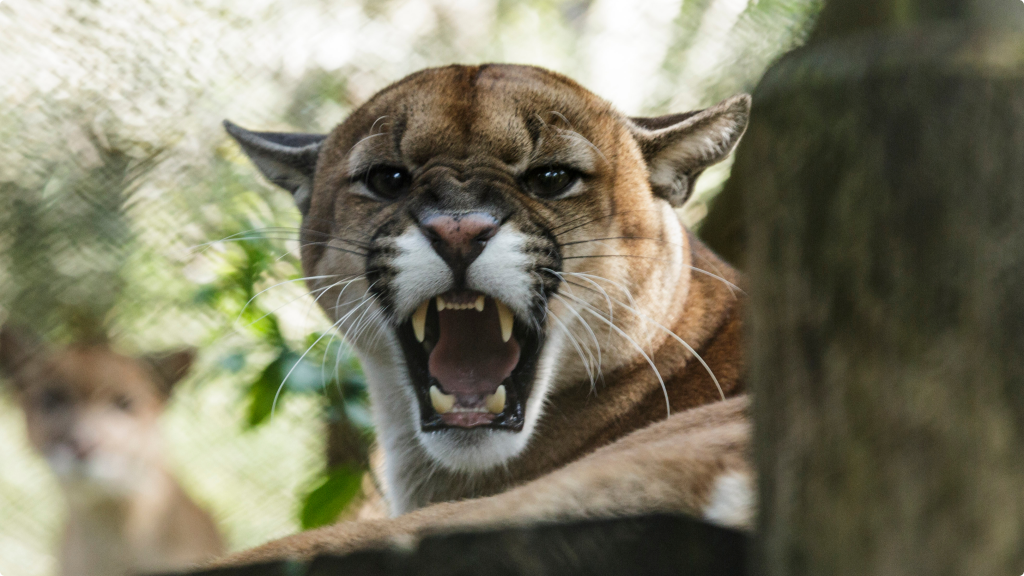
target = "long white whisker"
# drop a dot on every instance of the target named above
(624, 289)
(337, 301)
(334, 333)
(608, 299)
(228, 238)
(353, 332)
(732, 287)
(589, 308)
(273, 406)
(279, 284)
(296, 299)
(576, 345)
(309, 308)
(361, 324)
(347, 342)
(664, 329)
(574, 135)
(593, 336)
(367, 138)
(379, 326)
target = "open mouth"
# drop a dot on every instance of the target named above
(471, 362)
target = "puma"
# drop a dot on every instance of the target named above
(541, 336)
(93, 414)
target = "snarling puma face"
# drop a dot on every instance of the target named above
(92, 413)
(468, 229)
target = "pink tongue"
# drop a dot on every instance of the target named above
(469, 358)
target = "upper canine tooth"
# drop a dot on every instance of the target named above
(496, 402)
(419, 320)
(479, 305)
(506, 318)
(442, 402)
(440, 303)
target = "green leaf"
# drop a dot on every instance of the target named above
(289, 372)
(264, 390)
(325, 503)
(262, 324)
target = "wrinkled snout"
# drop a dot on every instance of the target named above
(459, 238)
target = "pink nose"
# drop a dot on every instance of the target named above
(459, 238)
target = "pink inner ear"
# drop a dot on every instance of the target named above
(470, 358)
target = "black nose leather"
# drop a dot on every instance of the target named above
(459, 238)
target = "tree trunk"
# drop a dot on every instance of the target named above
(724, 228)
(883, 173)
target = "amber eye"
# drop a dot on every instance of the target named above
(550, 181)
(388, 182)
(123, 402)
(53, 399)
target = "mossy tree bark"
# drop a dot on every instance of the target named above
(886, 265)
(724, 228)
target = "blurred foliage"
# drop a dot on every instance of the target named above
(328, 500)
(322, 365)
(126, 213)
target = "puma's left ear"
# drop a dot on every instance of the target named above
(170, 367)
(18, 348)
(286, 159)
(677, 148)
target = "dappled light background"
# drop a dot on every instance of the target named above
(125, 212)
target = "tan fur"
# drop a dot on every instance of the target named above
(642, 472)
(468, 135)
(94, 415)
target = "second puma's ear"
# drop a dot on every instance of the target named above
(18, 348)
(170, 367)
(677, 148)
(286, 159)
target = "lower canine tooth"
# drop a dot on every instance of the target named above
(507, 320)
(496, 402)
(419, 320)
(443, 403)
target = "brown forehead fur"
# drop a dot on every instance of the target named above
(484, 114)
(463, 110)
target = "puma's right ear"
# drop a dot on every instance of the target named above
(286, 159)
(677, 148)
(17, 349)
(170, 367)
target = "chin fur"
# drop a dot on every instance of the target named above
(474, 449)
